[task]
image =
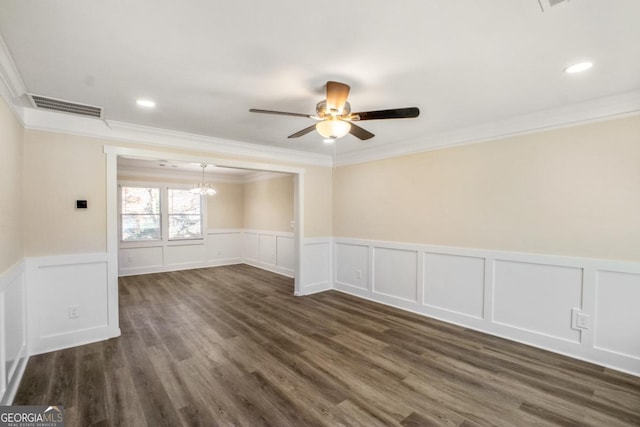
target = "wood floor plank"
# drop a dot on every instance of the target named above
(233, 346)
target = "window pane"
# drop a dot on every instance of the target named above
(184, 202)
(185, 215)
(140, 215)
(140, 227)
(137, 200)
(185, 226)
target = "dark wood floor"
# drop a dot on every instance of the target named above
(232, 346)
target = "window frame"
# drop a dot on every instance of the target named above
(203, 216)
(164, 218)
(120, 213)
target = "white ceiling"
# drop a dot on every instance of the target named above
(463, 63)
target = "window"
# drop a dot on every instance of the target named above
(185, 214)
(140, 214)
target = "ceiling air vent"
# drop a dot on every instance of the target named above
(66, 106)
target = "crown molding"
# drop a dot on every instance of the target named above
(616, 106)
(50, 121)
(11, 84)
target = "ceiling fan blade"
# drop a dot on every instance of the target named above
(337, 94)
(280, 113)
(360, 133)
(396, 113)
(303, 132)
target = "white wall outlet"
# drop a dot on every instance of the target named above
(219, 253)
(579, 320)
(358, 274)
(74, 311)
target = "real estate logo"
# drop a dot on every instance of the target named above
(31, 416)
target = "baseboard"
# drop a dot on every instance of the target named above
(74, 339)
(145, 270)
(314, 288)
(269, 267)
(14, 382)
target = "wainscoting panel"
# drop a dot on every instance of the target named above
(135, 260)
(286, 254)
(220, 247)
(354, 268)
(455, 283)
(224, 247)
(316, 265)
(63, 286)
(267, 249)
(395, 273)
(537, 297)
(530, 298)
(618, 313)
(251, 247)
(186, 255)
(270, 250)
(13, 331)
(68, 301)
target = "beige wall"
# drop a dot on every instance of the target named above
(58, 169)
(225, 209)
(11, 248)
(318, 202)
(268, 204)
(73, 167)
(572, 191)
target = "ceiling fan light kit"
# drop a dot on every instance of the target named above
(335, 116)
(333, 128)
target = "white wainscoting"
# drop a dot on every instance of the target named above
(317, 265)
(528, 298)
(220, 247)
(270, 250)
(13, 331)
(58, 284)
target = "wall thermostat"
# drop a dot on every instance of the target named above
(81, 204)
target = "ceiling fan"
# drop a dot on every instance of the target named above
(335, 118)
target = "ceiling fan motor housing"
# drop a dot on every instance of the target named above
(323, 111)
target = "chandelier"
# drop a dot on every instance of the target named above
(202, 188)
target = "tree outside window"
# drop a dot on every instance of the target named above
(185, 214)
(140, 214)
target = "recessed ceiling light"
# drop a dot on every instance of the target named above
(578, 68)
(145, 103)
